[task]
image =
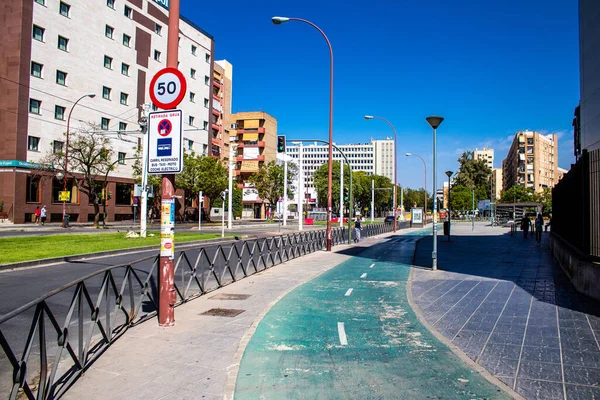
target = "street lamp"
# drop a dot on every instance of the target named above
(64, 210)
(434, 122)
(279, 21)
(367, 117)
(425, 183)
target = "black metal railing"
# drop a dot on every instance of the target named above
(576, 206)
(42, 357)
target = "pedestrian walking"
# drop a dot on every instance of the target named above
(37, 215)
(539, 223)
(357, 228)
(43, 214)
(525, 222)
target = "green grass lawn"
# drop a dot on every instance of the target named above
(39, 247)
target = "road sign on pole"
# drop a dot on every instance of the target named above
(165, 147)
(167, 88)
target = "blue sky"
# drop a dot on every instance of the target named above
(490, 68)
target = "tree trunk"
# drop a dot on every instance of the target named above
(96, 213)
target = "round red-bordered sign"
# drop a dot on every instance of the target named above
(167, 88)
(164, 127)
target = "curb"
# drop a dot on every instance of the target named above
(78, 257)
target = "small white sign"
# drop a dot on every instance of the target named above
(165, 147)
(417, 215)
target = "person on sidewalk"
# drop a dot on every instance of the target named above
(525, 222)
(37, 215)
(357, 229)
(539, 224)
(43, 214)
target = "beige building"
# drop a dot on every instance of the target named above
(221, 109)
(486, 155)
(532, 161)
(497, 182)
(255, 144)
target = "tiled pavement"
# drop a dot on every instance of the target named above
(507, 305)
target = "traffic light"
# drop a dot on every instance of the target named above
(345, 194)
(281, 144)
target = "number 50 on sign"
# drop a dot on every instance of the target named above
(167, 88)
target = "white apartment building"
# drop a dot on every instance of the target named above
(375, 157)
(486, 155)
(109, 48)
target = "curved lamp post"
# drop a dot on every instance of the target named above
(434, 122)
(279, 21)
(90, 95)
(367, 117)
(425, 187)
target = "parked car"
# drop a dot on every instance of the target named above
(389, 219)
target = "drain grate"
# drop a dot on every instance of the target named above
(230, 296)
(222, 312)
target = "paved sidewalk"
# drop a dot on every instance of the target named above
(505, 302)
(192, 359)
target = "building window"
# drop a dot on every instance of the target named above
(123, 195)
(126, 40)
(36, 69)
(108, 62)
(192, 73)
(61, 78)
(128, 12)
(156, 55)
(190, 144)
(106, 92)
(35, 106)
(206, 103)
(38, 33)
(124, 97)
(206, 80)
(33, 143)
(191, 120)
(63, 43)
(122, 126)
(59, 112)
(42, 2)
(57, 147)
(64, 9)
(192, 97)
(194, 48)
(205, 125)
(125, 69)
(104, 123)
(33, 190)
(157, 29)
(121, 158)
(110, 4)
(109, 31)
(207, 58)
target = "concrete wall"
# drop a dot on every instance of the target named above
(589, 48)
(584, 275)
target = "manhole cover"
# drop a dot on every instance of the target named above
(223, 312)
(230, 296)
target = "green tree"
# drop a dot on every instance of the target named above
(460, 198)
(321, 184)
(269, 182)
(545, 199)
(519, 194)
(90, 154)
(202, 173)
(473, 174)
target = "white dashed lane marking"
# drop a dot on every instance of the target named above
(349, 292)
(342, 334)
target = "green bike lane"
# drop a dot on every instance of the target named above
(350, 333)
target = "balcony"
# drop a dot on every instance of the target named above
(258, 158)
(217, 141)
(217, 83)
(251, 130)
(216, 127)
(216, 112)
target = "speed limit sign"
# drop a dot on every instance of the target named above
(167, 88)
